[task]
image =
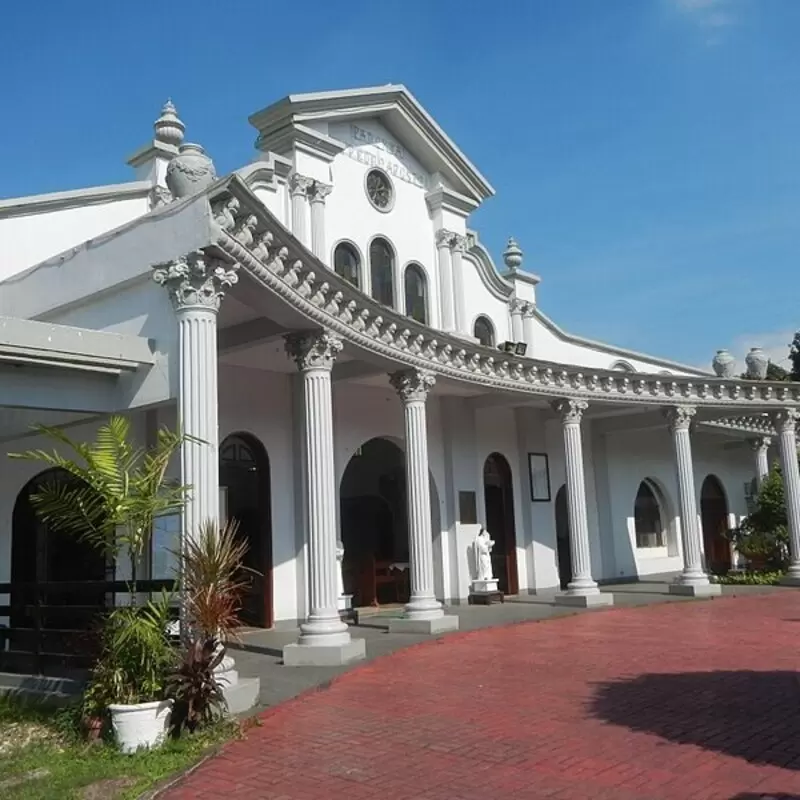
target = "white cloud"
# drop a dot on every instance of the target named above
(710, 15)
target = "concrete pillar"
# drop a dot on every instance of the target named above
(447, 319)
(324, 638)
(528, 327)
(299, 186)
(582, 589)
(693, 580)
(423, 612)
(317, 192)
(515, 307)
(458, 245)
(785, 422)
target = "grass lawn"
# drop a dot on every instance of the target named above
(41, 756)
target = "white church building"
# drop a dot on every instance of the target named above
(369, 384)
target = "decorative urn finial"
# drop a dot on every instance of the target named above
(757, 364)
(724, 364)
(168, 127)
(189, 172)
(512, 255)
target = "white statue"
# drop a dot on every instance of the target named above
(339, 560)
(483, 555)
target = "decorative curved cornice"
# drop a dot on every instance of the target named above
(197, 281)
(313, 350)
(283, 265)
(413, 385)
(491, 279)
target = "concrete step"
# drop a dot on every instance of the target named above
(242, 695)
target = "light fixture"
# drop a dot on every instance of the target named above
(520, 348)
(507, 347)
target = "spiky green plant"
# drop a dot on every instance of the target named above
(119, 491)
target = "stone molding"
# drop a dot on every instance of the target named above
(198, 280)
(283, 265)
(413, 385)
(679, 418)
(313, 350)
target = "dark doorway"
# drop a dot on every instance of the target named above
(714, 517)
(43, 554)
(374, 525)
(563, 548)
(244, 473)
(498, 493)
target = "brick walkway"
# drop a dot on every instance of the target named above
(685, 701)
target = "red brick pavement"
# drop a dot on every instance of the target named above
(693, 701)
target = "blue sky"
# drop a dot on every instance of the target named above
(645, 152)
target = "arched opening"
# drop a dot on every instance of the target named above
(563, 548)
(648, 517)
(244, 477)
(416, 293)
(498, 494)
(43, 554)
(381, 270)
(374, 525)
(714, 518)
(347, 263)
(483, 330)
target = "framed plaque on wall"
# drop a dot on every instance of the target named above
(539, 475)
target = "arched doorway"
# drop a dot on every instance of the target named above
(244, 475)
(714, 517)
(563, 548)
(498, 495)
(41, 553)
(374, 525)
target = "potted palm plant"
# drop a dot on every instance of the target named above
(119, 491)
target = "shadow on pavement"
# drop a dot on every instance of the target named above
(751, 715)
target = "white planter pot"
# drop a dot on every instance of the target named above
(143, 725)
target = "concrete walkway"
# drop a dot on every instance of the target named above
(259, 654)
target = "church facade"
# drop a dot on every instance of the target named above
(367, 384)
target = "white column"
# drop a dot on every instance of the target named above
(527, 327)
(515, 307)
(443, 238)
(459, 244)
(693, 580)
(582, 589)
(760, 447)
(423, 612)
(324, 638)
(196, 286)
(317, 192)
(299, 186)
(785, 422)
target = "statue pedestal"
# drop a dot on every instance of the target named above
(484, 593)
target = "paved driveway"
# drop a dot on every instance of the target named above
(686, 701)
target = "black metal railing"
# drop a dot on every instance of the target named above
(53, 627)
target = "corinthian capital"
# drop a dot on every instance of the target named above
(196, 280)
(299, 184)
(413, 385)
(318, 191)
(516, 306)
(785, 420)
(313, 350)
(444, 237)
(459, 243)
(679, 418)
(759, 443)
(571, 411)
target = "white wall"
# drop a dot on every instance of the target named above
(28, 239)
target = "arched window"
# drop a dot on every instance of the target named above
(347, 263)
(416, 294)
(647, 517)
(622, 366)
(381, 270)
(484, 331)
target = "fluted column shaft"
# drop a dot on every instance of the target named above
(317, 193)
(517, 334)
(459, 243)
(785, 422)
(760, 448)
(314, 354)
(528, 328)
(299, 186)
(413, 387)
(571, 412)
(443, 238)
(680, 419)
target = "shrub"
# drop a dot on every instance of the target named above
(194, 687)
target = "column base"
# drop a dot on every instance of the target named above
(323, 655)
(596, 600)
(442, 624)
(695, 589)
(790, 580)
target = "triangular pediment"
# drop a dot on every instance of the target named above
(331, 117)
